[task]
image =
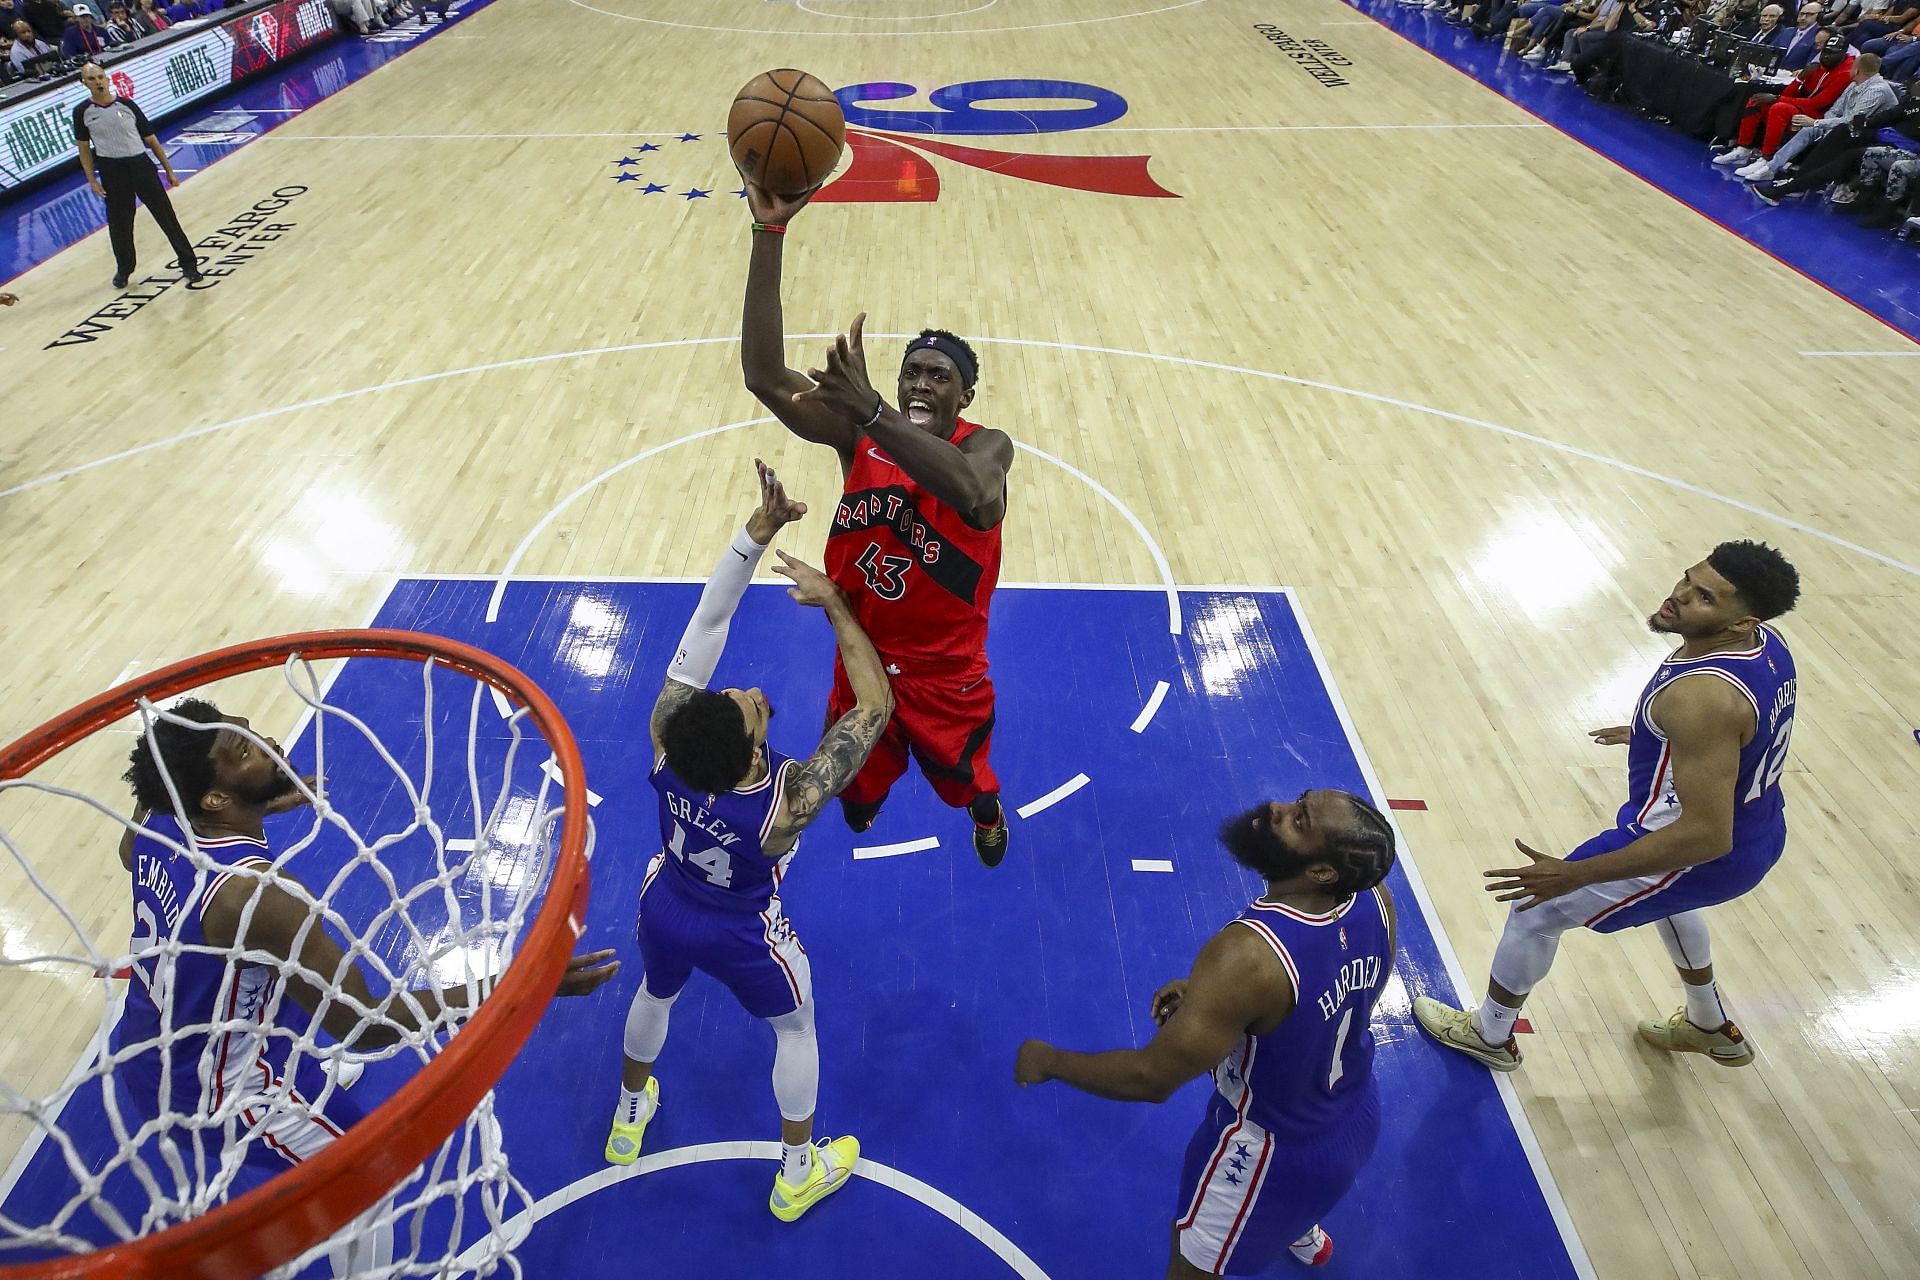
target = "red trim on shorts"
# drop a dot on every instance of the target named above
(1664, 881)
(1253, 1193)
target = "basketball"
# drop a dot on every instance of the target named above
(785, 131)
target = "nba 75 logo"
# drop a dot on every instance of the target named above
(891, 152)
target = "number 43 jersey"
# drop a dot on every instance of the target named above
(920, 578)
(713, 840)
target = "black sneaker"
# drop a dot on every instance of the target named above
(859, 816)
(989, 829)
(119, 282)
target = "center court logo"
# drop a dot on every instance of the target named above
(892, 153)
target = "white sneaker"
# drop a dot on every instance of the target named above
(1758, 171)
(1314, 1248)
(1735, 155)
(1564, 67)
(1535, 55)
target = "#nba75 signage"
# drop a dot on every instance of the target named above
(36, 135)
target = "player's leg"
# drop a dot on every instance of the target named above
(1521, 960)
(861, 799)
(773, 979)
(298, 1115)
(948, 721)
(1249, 1199)
(667, 963)
(1701, 1025)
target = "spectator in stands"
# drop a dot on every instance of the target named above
(148, 18)
(1768, 31)
(1804, 40)
(1868, 94)
(12, 11)
(27, 46)
(1768, 120)
(82, 38)
(1891, 41)
(1594, 55)
(178, 10)
(48, 19)
(1837, 156)
(1886, 21)
(120, 28)
(359, 15)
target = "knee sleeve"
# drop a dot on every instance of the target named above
(1686, 939)
(1526, 949)
(796, 1063)
(647, 1024)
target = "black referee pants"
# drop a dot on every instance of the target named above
(136, 178)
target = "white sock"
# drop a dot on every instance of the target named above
(635, 1106)
(1494, 1021)
(795, 1162)
(1704, 1009)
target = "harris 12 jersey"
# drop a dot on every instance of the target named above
(1763, 672)
(1304, 1077)
(715, 841)
(920, 577)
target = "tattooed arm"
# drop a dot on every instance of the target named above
(851, 739)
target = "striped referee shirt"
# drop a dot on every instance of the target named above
(114, 130)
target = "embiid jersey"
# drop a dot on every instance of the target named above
(918, 575)
(1764, 675)
(1303, 1078)
(191, 989)
(714, 840)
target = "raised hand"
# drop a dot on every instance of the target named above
(770, 208)
(843, 386)
(810, 586)
(292, 800)
(776, 509)
(1614, 736)
(1542, 880)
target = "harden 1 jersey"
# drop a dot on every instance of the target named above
(1305, 1076)
(173, 999)
(1763, 672)
(918, 575)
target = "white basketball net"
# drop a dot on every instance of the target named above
(445, 919)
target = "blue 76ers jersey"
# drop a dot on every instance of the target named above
(192, 988)
(713, 839)
(1305, 1076)
(1763, 673)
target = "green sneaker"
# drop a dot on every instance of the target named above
(832, 1169)
(623, 1144)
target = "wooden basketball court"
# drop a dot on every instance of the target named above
(1474, 392)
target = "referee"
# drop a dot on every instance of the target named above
(114, 139)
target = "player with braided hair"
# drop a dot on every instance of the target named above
(1278, 1009)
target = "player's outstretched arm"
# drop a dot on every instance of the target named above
(706, 633)
(1234, 984)
(763, 335)
(850, 741)
(284, 924)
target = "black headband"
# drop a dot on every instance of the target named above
(948, 347)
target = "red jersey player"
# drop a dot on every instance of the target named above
(915, 543)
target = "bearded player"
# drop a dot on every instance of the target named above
(915, 543)
(1703, 823)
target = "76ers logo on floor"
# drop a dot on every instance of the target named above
(891, 151)
(890, 148)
